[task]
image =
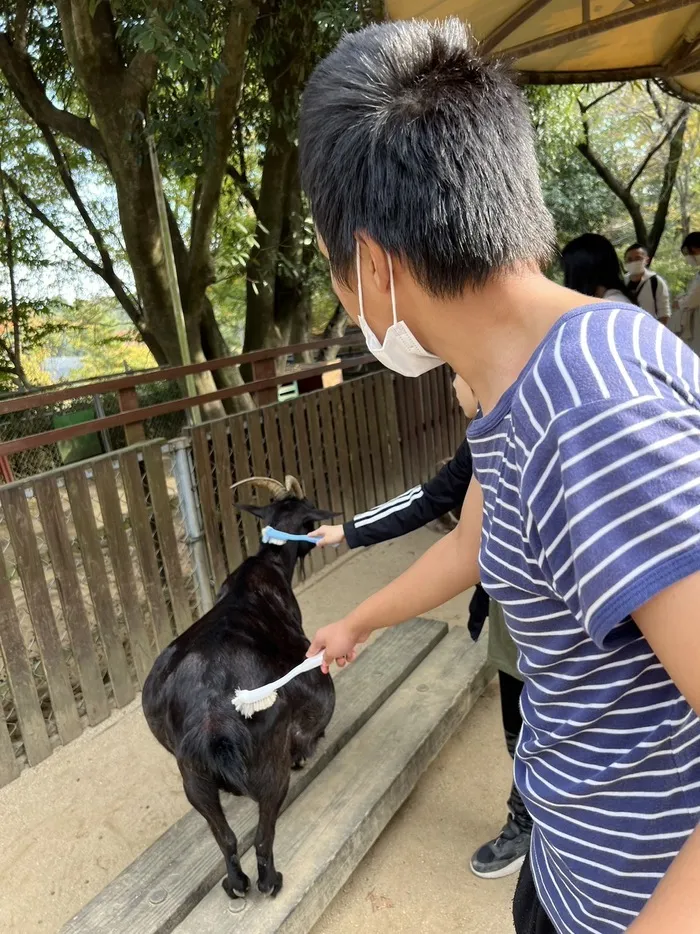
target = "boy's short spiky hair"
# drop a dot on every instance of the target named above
(408, 136)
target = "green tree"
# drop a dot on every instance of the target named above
(616, 159)
(26, 320)
(218, 83)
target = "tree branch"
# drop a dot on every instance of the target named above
(225, 105)
(89, 28)
(31, 94)
(40, 215)
(652, 152)
(143, 70)
(614, 184)
(105, 273)
(586, 107)
(246, 188)
(655, 101)
(19, 28)
(675, 151)
(67, 179)
(10, 260)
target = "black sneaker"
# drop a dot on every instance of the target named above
(502, 856)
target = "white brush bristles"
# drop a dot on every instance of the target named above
(246, 703)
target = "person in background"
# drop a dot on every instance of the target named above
(647, 289)
(411, 510)
(591, 267)
(689, 303)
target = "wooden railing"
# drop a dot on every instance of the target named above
(131, 414)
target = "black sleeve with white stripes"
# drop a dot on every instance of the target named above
(415, 507)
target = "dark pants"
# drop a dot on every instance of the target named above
(511, 689)
(529, 916)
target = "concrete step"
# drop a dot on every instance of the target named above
(159, 889)
(326, 832)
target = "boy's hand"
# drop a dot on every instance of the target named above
(337, 642)
(329, 535)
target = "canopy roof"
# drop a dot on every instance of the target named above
(581, 41)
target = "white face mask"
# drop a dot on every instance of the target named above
(691, 260)
(635, 267)
(400, 352)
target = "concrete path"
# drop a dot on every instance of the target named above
(70, 825)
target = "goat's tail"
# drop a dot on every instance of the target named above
(219, 748)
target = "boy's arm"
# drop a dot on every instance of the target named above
(445, 570)
(414, 508)
(669, 622)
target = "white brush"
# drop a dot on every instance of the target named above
(249, 702)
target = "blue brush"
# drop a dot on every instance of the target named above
(272, 536)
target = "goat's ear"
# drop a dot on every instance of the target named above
(260, 511)
(323, 515)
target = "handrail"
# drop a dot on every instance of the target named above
(130, 416)
(114, 384)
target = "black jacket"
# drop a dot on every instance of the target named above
(413, 509)
(416, 507)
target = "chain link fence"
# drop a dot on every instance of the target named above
(18, 425)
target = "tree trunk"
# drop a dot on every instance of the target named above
(292, 289)
(336, 327)
(675, 152)
(215, 346)
(13, 350)
(261, 269)
(648, 237)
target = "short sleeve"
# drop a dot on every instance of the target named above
(611, 498)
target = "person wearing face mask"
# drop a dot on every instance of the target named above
(647, 289)
(689, 303)
(582, 519)
(413, 509)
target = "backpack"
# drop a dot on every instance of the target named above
(654, 280)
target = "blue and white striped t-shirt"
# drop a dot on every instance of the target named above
(590, 467)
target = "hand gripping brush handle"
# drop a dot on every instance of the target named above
(249, 702)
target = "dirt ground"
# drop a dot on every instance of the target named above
(71, 824)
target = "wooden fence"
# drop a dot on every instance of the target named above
(99, 562)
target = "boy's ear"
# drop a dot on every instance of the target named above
(260, 511)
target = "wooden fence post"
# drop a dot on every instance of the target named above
(265, 369)
(128, 401)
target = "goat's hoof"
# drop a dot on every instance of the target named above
(299, 764)
(271, 886)
(239, 890)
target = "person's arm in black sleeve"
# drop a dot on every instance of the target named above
(416, 507)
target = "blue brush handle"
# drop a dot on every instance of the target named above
(269, 532)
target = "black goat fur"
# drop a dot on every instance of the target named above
(251, 636)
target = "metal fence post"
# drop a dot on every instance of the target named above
(189, 500)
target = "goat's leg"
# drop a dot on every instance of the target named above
(269, 880)
(203, 795)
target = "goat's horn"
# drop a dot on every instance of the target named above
(268, 483)
(292, 485)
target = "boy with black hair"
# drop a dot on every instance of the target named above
(647, 289)
(584, 523)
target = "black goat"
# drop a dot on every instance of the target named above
(252, 635)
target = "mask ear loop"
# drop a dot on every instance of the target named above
(360, 297)
(391, 287)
